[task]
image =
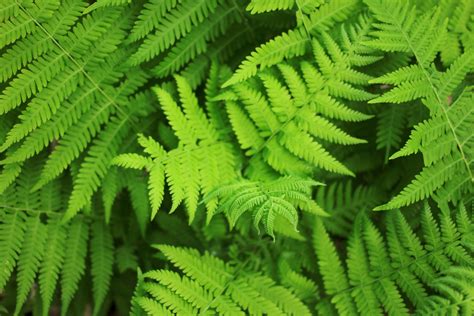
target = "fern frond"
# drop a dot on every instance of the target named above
(343, 200)
(70, 93)
(199, 163)
(102, 258)
(328, 14)
(176, 24)
(455, 293)
(436, 90)
(287, 45)
(401, 30)
(334, 278)
(380, 271)
(288, 113)
(210, 285)
(74, 262)
(30, 258)
(150, 16)
(267, 201)
(53, 258)
(12, 232)
(105, 3)
(260, 6)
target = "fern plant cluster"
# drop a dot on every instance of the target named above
(224, 157)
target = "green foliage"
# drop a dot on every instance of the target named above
(208, 157)
(450, 122)
(380, 269)
(267, 201)
(199, 163)
(208, 285)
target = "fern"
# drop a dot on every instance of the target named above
(379, 271)
(74, 262)
(452, 154)
(54, 256)
(455, 286)
(30, 258)
(196, 165)
(44, 251)
(344, 201)
(180, 31)
(13, 227)
(59, 71)
(253, 118)
(105, 3)
(269, 128)
(102, 263)
(259, 6)
(210, 285)
(390, 130)
(267, 201)
(294, 42)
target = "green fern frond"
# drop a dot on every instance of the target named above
(438, 140)
(68, 91)
(390, 127)
(455, 293)
(150, 16)
(176, 24)
(328, 14)
(344, 200)
(12, 235)
(266, 201)
(286, 113)
(54, 254)
(196, 166)
(260, 6)
(380, 271)
(209, 285)
(446, 135)
(30, 258)
(102, 258)
(402, 30)
(105, 3)
(287, 45)
(75, 261)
